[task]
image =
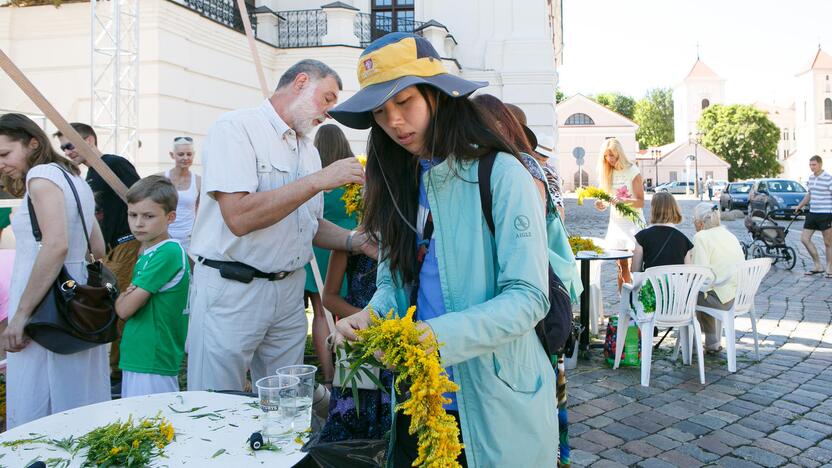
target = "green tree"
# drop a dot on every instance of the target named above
(624, 105)
(559, 96)
(654, 115)
(744, 137)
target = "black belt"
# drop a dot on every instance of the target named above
(234, 270)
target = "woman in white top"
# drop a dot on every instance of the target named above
(188, 186)
(40, 382)
(622, 179)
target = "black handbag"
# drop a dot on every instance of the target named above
(74, 317)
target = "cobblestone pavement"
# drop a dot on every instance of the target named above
(773, 412)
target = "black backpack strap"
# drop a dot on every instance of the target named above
(486, 165)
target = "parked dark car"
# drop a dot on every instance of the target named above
(780, 195)
(735, 196)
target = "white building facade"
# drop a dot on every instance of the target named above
(700, 88)
(194, 61)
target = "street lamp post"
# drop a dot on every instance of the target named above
(696, 138)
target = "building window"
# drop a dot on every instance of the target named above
(674, 176)
(705, 103)
(827, 109)
(579, 119)
(391, 16)
(828, 88)
(786, 134)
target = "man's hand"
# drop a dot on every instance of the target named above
(346, 327)
(600, 205)
(341, 172)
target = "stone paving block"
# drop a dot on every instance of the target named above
(691, 428)
(825, 429)
(582, 444)
(576, 429)
(604, 463)
(612, 385)
(713, 444)
(696, 452)
(627, 411)
(744, 431)
(574, 416)
(723, 415)
(598, 421)
(661, 442)
(791, 439)
(679, 458)
(755, 398)
(644, 423)
(727, 438)
(586, 409)
(740, 407)
(806, 462)
(624, 431)
(605, 403)
(760, 456)
(776, 447)
(793, 407)
(581, 458)
(758, 424)
(676, 434)
(819, 454)
(804, 432)
(602, 438)
(655, 463)
(679, 409)
(641, 448)
(621, 456)
(731, 462)
(708, 421)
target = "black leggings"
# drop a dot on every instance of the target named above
(407, 449)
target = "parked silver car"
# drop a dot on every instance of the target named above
(678, 187)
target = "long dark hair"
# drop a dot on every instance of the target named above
(18, 127)
(509, 124)
(459, 131)
(332, 144)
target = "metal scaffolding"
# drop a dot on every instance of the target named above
(115, 75)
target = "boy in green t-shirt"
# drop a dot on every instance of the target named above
(153, 341)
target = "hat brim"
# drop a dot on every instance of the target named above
(355, 112)
(530, 136)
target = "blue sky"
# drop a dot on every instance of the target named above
(630, 46)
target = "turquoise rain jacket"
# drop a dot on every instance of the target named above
(494, 295)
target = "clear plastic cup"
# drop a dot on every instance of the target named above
(276, 392)
(301, 407)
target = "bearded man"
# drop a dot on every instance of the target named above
(261, 211)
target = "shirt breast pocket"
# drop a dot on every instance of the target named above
(272, 172)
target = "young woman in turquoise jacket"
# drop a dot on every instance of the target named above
(479, 294)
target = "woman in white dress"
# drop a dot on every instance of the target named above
(40, 382)
(622, 179)
(187, 186)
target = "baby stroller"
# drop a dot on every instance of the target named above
(768, 239)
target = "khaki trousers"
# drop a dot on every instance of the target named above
(235, 327)
(711, 327)
(121, 260)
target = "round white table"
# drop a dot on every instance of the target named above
(197, 441)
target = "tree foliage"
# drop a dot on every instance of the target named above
(624, 105)
(559, 96)
(744, 137)
(654, 115)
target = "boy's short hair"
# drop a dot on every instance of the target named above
(816, 159)
(83, 129)
(664, 209)
(157, 188)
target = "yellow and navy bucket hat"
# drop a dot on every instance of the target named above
(390, 64)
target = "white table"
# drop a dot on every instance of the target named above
(196, 441)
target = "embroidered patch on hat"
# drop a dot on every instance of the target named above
(368, 64)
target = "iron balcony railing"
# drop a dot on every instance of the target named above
(369, 27)
(224, 12)
(301, 28)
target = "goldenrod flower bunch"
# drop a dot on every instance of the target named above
(416, 362)
(623, 208)
(353, 193)
(581, 243)
(126, 443)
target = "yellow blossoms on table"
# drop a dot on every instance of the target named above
(583, 244)
(127, 443)
(417, 363)
(623, 208)
(353, 193)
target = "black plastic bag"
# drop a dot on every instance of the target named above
(345, 454)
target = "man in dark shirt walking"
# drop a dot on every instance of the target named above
(111, 211)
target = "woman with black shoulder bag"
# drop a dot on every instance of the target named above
(41, 382)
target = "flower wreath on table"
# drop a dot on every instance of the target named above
(395, 342)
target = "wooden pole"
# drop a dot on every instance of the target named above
(252, 45)
(92, 156)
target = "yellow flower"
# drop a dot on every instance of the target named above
(362, 158)
(136, 443)
(116, 450)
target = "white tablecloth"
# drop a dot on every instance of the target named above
(196, 442)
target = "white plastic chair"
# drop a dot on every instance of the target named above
(676, 287)
(749, 275)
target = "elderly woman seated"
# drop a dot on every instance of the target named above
(717, 248)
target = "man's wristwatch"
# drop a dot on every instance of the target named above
(349, 241)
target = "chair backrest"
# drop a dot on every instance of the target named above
(750, 274)
(676, 288)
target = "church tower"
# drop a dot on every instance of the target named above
(701, 88)
(813, 110)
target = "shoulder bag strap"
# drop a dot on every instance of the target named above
(80, 210)
(486, 165)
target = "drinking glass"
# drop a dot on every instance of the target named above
(275, 391)
(300, 409)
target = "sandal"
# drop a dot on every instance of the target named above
(828, 275)
(812, 272)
